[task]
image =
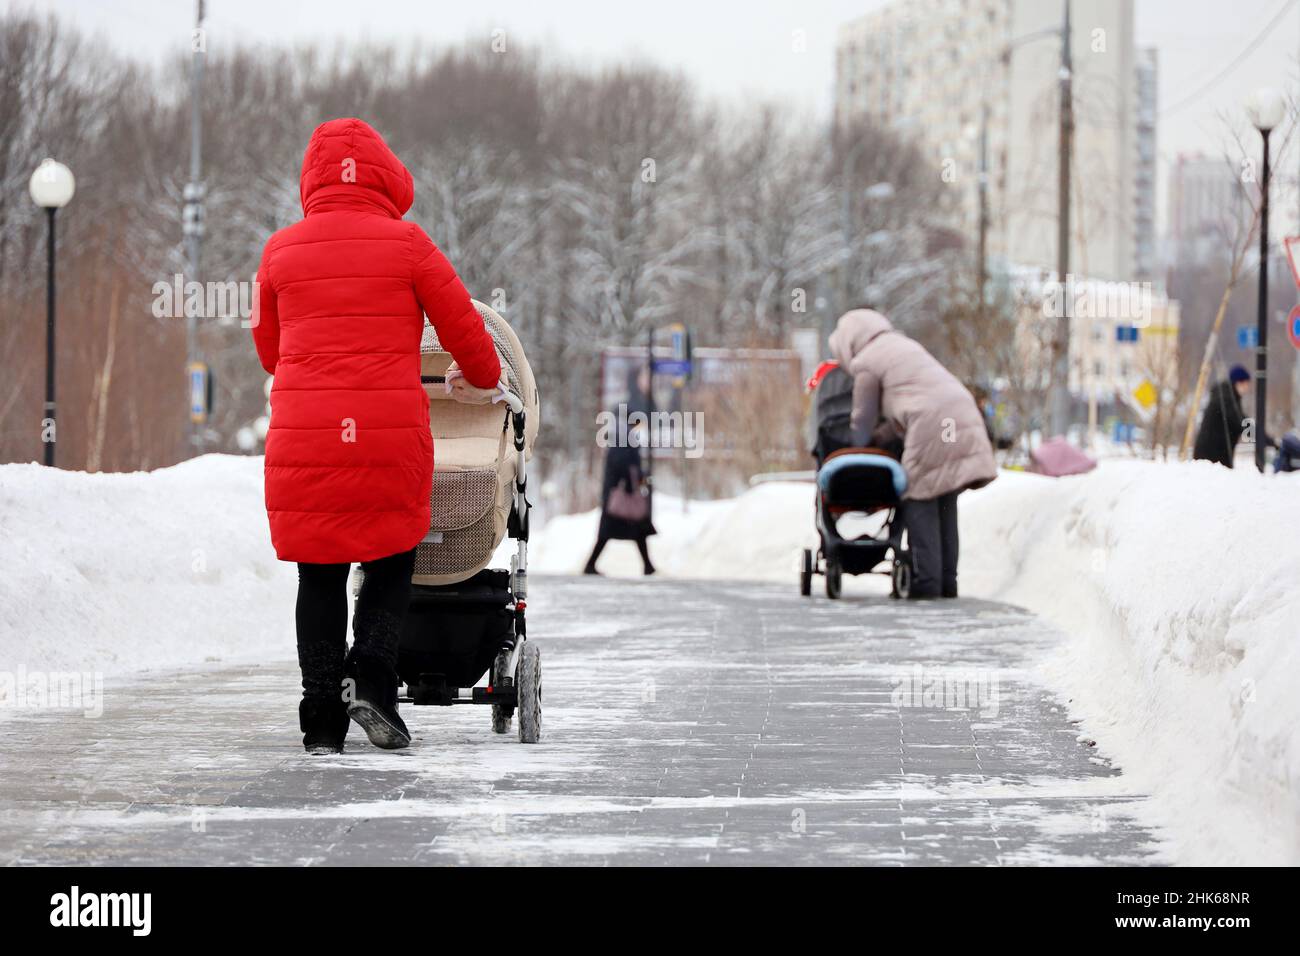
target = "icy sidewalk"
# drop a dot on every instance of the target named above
(685, 722)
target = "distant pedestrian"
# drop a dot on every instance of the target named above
(946, 446)
(1288, 453)
(1223, 420)
(625, 501)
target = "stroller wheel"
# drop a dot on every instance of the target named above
(528, 685)
(833, 579)
(902, 575)
(806, 573)
(501, 713)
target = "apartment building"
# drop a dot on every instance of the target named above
(941, 71)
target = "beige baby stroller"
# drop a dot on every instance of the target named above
(466, 618)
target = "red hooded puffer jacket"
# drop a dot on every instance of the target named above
(341, 304)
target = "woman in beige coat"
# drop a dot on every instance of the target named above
(898, 385)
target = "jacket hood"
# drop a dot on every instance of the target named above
(855, 329)
(348, 163)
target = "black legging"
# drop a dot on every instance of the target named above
(322, 614)
(602, 541)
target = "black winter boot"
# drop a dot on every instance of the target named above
(370, 684)
(324, 724)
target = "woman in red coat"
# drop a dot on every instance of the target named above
(349, 457)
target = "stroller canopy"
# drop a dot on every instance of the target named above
(840, 467)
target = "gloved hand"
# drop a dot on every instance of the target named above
(459, 388)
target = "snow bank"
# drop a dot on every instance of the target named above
(1175, 586)
(107, 573)
(755, 536)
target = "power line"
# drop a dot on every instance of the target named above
(1187, 100)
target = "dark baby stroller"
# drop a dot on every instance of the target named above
(467, 619)
(852, 480)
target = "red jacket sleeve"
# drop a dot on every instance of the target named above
(452, 314)
(265, 320)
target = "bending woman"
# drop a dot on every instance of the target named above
(349, 455)
(945, 444)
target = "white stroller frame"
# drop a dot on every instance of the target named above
(467, 618)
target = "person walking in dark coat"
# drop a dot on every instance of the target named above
(625, 503)
(1223, 420)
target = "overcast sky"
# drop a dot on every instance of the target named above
(734, 50)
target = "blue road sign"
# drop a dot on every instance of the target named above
(675, 367)
(1247, 337)
(198, 375)
(1126, 333)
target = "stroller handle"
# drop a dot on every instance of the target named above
(515, 403)
(511, 399)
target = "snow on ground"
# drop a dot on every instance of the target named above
(1174, 585)
(1177, 587)
(109, 573)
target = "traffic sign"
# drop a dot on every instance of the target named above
(1126, 333)
(200, 394)
(1293, 326)
(1145, 394)
(678, 368)
(1247, 337)
(679, 341)
(1291, 244)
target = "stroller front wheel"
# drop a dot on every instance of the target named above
(902, 576)
(833, 578)
(806, 573)
(501, 713)
(528, 686)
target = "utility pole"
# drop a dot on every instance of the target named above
(982, 267)
(846, 281)
(192, 222)
(1261, 320)
(1060, 390)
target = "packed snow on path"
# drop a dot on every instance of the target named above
(1172, 585)
(1175, 587)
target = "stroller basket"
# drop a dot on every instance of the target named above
(473, 621)
(462, 529)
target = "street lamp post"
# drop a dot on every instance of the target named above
(1265, 109)
(51, 188)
